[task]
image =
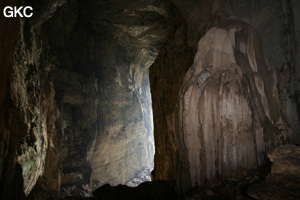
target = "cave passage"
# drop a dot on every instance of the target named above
(124, 148)
(77, 112)
(123, 52)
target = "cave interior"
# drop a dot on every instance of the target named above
(156, 99)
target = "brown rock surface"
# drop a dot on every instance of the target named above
(165, 86)
(284, 179)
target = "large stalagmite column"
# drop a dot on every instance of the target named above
(228, 114)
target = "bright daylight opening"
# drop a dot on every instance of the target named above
(124, 148)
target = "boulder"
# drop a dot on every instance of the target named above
(284, 179)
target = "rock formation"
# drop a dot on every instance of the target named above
(11, 183)
(283, 181)
(76, 102)
(71, 97)
(229, 112)
(199, 18)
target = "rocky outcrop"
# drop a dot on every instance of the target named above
(165, 86)
(29, 97)
(30, 113)
(283, 181)
(77, 103)
(37, 108)
(229, 112)
(264, 17)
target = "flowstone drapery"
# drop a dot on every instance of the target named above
(229, 113)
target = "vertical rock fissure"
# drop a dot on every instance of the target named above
(288, 73)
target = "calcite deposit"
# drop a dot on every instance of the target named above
(228, 113)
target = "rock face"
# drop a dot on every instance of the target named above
(29, 110)
(281, 46)
(283, 182)
(275, 21)
(77, 101)
(103, 101)
(165, 86)
(77, 84)
(229, 113)
(267, 18)
(11, 183)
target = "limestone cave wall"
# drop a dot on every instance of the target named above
(79, 88)
(99, 60)
(80, 78)
(10, 172)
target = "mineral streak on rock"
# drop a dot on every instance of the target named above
(27, 89)
(229, 113)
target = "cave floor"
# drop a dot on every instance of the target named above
(276, 180)
(164, 190)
